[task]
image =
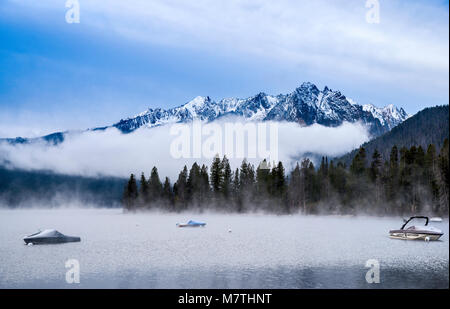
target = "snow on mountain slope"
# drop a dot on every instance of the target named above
(306, 105)
(389, 116)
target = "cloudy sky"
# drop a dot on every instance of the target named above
(126, 56)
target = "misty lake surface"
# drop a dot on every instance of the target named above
(233, 251)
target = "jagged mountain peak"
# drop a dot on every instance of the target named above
(308, 85)
(198, 101)
(388, 115)
(306, 105)
(306, 89)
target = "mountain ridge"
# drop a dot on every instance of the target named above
(306, 105)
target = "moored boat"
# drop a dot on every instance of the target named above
(191, 223)
(49, 237)
(416, 232)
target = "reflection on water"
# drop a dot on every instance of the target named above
(233, 251)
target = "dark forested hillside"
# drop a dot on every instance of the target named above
(19, 188)
(429, 126)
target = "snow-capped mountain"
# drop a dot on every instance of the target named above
(306, 105)
(389, 115)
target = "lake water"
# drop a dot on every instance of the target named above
(262, 251)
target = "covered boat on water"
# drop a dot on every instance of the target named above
(49, 237)
(191, 223)
(416, 232)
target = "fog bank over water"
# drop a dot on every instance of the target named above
(232, 251)
(112, 153)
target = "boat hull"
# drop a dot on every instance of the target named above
(50, 240)
(415, 235)
(191, 225)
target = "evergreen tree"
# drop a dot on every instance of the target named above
(393, 158)
(226, 180)
(358, 165)
(216, 175)
(130, 194)
(237, 201)
(444, 177)
(279, 180)
(430, 160)
(154, 186)
(308, 184)
(431, 175)
(247, 176)
(376, 175)
(323, 179)
(194, 184)
(180, 190)
(236, 182)
(204, 186)
(338, 180)
(246, 184)
(167, 193)
(278, 186)
(323, 169)
(392, 186)
(263, 179)
(375, 166)
(420, 157)
(295, 197)
(143, 190)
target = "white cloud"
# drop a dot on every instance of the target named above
(112, 153)
(409, 46)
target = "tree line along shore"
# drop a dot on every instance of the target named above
(412, 180)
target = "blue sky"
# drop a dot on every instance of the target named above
(126, 56)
